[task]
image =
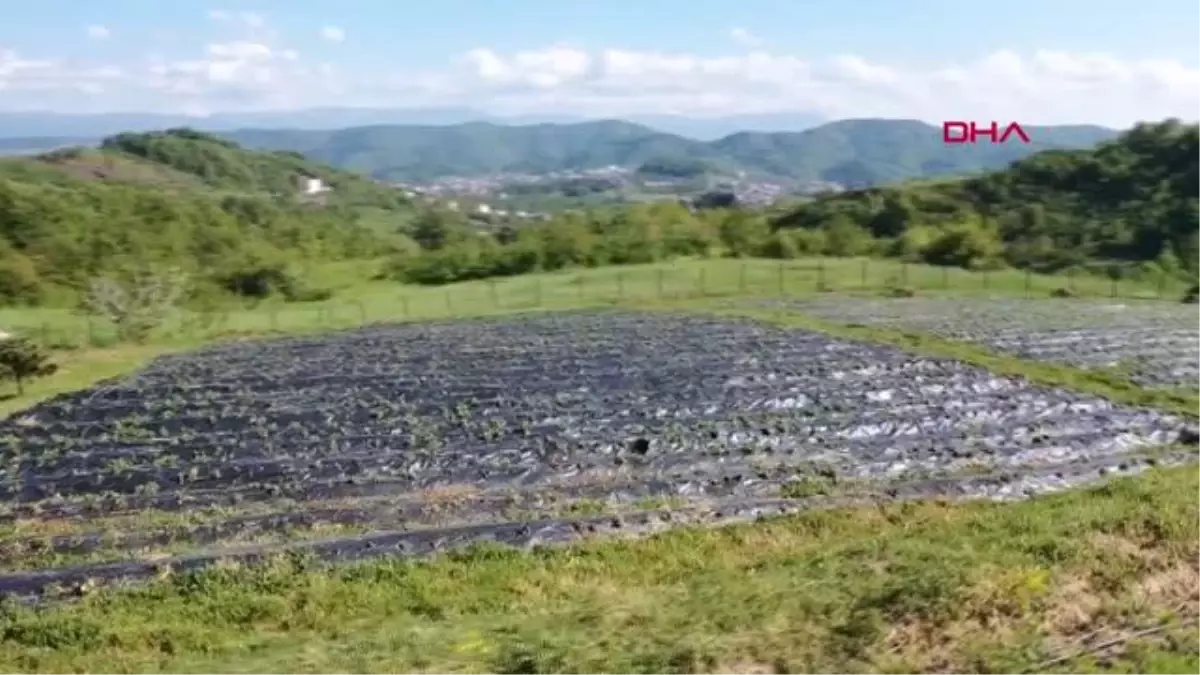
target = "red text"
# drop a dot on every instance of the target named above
(969, 132)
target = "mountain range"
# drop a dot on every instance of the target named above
(44, 125)
(849, 152)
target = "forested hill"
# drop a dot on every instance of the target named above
(1131, 199)
(856, 152)
(179, 198)
(223, 164)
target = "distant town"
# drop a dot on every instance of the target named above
(530, 196)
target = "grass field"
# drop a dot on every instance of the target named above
(1103, 580)
(1043, 585)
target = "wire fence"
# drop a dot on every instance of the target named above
(582, 288)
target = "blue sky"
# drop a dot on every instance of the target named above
(422, 33)
(392, 53)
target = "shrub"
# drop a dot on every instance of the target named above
(21, 360)
(19, 281)
(1193, 295)
(136, 303)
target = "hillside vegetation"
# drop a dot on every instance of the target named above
(1131, 200)
(1128, 207)
(854, 152)
(235, 220)
(181, 199)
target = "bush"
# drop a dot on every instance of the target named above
(963, 246)
(19, 282)
(780, 246)
(1193, 295)
(22, 360)
(259, 282)
(137, 302)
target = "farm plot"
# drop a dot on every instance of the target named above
(1156, 342)
(411, 439)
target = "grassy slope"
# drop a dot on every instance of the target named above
(901, 587)
(62, 167)
(916, 587)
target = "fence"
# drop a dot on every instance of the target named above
(680, 280)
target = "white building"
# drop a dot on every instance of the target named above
(313, 186)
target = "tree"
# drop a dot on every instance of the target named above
(436, 229)
(21, 359)
(742, 233)
(19, 283)
(895, 217)
(845, 239)
(137, 304)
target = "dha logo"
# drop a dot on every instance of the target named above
(957, 132)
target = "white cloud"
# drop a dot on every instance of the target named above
(98, 32)
(251, 19)
(252, 68)
(332, 34)
(744, 37)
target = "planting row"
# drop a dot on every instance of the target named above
(530, 418)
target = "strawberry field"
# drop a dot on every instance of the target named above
(412, 439)
(1157, 342)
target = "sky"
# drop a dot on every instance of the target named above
(1031, 61)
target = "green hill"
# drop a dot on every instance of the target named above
(179, 198)
(1127, 207)
(869, 152)
(1131, 199)
(479, 148)
(854, 152)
